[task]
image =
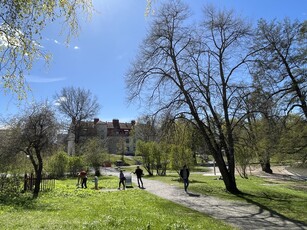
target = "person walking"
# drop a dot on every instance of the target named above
(139, 174)
(122, 180)
(184, 174)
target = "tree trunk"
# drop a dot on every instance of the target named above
(38, 173)
(227, 175)
(38, 180)
(148, 169)
(265, 163)
(266, 167)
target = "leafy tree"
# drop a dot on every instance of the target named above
(94, 153)
(57, 164)
(162, 157)
(179, 156)
(261, 127)
(21, 28)
(293, 142)
(280, 63)
(77, 105)
(33, 133)
(76, 164)
(194, 72)
(143, 149)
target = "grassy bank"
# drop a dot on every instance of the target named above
(70, 208)
(287, 198)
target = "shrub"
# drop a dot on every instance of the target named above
(58, 164)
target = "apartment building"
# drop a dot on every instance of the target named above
(117, 135)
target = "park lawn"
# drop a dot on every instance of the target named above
(287, 198)
(67, 207)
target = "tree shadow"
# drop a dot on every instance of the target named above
(24, 201)
(248, 198)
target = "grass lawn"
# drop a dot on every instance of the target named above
(69, 208)
(287, 198)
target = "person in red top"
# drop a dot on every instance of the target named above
(83, 177)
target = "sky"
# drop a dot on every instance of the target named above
(98, 59)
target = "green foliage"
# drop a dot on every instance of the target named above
(10, 186)
(94, 153)
(292, 145)
(243, 158)
(58, 164)
(21, 26)
(143, 149)
(75, 164)
(160, 156)
(179, 156)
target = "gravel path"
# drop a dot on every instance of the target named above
(239, 214)
(242, 215)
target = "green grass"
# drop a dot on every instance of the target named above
(128, 160)
(69, 208)
(287, 198)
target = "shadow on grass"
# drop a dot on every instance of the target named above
(249, 198)
(24, 200)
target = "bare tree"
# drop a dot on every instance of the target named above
(33, 133)
(195, 72)
(280, 65)
(146, 129)
(77, 105)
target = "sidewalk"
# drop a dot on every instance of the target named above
(239, 214)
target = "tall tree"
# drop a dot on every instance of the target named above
(146, 129)
(293, 141)
(280, 64)
(94, 153)
(261, 126)
(21, 28)
(77, 105)
(33, 133)
(195, 73)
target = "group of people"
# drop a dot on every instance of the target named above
(122, 179)
(82, 177)
(184, 174)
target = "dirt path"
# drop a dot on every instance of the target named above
(242, 215)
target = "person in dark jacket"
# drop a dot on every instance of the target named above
(184, 174)
(139, 174)
(122, 180)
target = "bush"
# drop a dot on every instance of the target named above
(58, 164)
(10, 186)
(76, 163)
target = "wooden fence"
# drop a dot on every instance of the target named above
(46, 184)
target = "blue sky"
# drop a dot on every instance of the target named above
(99, 58)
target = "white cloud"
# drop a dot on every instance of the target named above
(58, 101)
(10, 37)
(39, 79)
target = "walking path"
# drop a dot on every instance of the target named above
(242, 215)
